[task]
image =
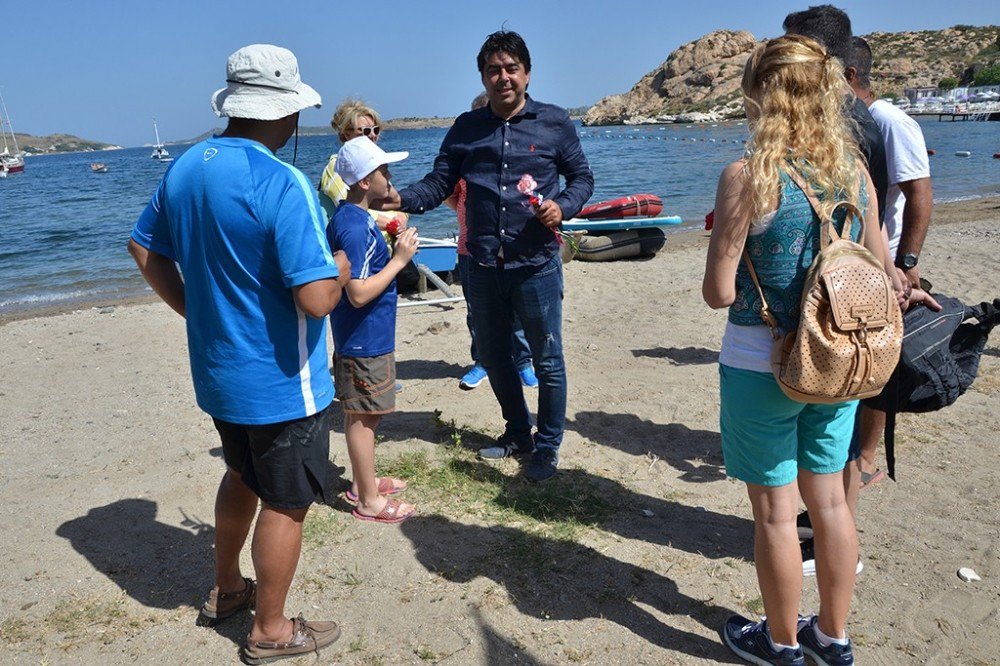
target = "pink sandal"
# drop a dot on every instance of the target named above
(386, 486)
(390, 514)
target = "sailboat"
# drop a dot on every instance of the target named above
(159, 152)
(9, 162)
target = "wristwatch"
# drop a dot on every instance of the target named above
(907, 261)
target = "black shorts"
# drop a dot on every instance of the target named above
(284, 464)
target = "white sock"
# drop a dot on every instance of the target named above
(827, 641)
(778, 647)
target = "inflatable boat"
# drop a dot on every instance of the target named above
(633, 205)
(622, 228)
(627, 244)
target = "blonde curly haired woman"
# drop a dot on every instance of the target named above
(795, 96)
(353, 118)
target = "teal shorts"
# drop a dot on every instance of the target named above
(767, 437)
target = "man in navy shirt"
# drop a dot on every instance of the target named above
(247, 232)
(511, 154)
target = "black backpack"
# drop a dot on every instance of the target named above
(939, 361)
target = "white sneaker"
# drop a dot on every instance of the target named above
(809, 559)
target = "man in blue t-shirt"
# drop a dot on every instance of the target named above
(247, 233)
(364, 323)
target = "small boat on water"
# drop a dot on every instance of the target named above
(98, 167)
(9, 162)
(159, 153)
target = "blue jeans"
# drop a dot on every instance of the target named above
(522, 353)
(534, 295)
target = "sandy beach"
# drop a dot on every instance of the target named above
(635, 554)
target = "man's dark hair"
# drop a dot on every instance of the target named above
(504, 41)
(861, 61)
(829, 26)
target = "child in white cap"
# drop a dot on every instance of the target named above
(364, 323)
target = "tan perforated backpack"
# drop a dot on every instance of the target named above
(851, 329)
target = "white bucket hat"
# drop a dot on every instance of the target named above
(264, 84)
(360, 156)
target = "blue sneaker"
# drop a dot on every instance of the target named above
(507, 446)
(528, 378)
(751, 641)
(473, 378)
(544, 462)
(832, 655)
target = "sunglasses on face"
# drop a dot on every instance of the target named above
(369, 131)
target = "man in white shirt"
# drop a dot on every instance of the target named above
(907, 211)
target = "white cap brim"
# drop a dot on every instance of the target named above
(397, 156)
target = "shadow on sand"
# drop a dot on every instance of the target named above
(158, 565)
(680, 355)
(578, 496)
(697, 454)
(419, 369)
(564, 580)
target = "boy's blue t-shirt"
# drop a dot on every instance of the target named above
(370, 330)
(245, 228)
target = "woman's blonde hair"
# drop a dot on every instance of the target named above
(796, 97)
(346, 116)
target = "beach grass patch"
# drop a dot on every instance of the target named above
(454, 483)
(755, 605)
(424, 653)
(321, 525)
(89, 619)
(15, 629)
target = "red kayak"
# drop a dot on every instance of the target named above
(634, 205)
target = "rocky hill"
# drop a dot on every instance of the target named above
(58, 143)
(701, 79)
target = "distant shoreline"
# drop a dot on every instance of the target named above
(73, 152)
(404, 123)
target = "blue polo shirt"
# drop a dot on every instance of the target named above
(492, 155)
(245, 228)
(369, 330)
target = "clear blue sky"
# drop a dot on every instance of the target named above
(101, 69)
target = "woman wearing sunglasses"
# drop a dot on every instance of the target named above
(353, 118)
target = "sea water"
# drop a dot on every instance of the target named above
(64, 229)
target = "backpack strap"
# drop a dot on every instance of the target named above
(892, 407)
(765, 311)
(988, 314)
(890, 441)
(827, 231)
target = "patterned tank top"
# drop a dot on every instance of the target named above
(782, 252)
